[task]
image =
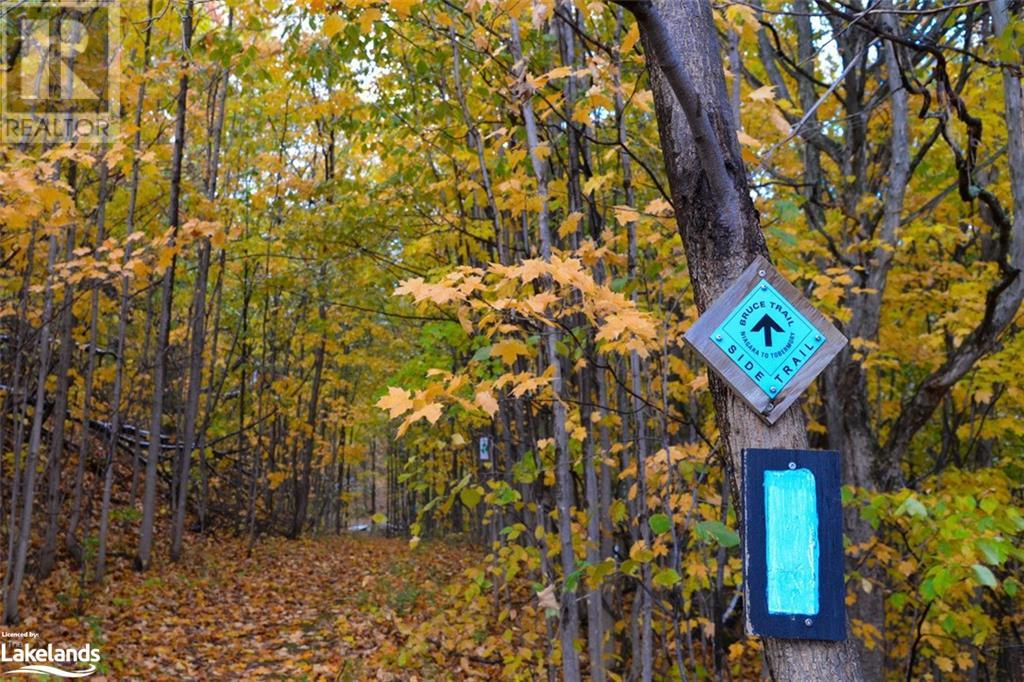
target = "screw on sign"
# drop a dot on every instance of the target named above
(765, 340)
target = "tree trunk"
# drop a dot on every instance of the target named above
(122, 326)
(19, 553)
(195, 360)
(19, 399)
(48, 554)
(550, 336)
(721, 235)
(167, 299)
(302, 484)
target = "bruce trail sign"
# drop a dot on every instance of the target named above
(765, 340)
(768, 338)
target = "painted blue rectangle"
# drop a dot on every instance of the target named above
(770, 477)
(791, 541)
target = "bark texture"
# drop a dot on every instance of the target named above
(721, 234)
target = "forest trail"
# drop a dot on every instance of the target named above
(324, 608)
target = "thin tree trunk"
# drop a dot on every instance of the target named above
(122, 325)
(48, 553)
(167, 295)
(195, 365)
(302, 485)
(19, 555)
(563, 474)
(19, 400)
(94, 306)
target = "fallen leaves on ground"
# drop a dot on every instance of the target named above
(337, 608)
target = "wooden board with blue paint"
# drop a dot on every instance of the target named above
(793, 544)
(765, 340)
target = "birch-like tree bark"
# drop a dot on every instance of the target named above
(550, 338)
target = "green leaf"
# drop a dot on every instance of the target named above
(617, 512)
(665, 578)
(660, 523)
(482, 353)
(911, 507)
(470, 496)
(513, 531)
(719, 532)
(573, 579)
(944, 579)
(598, 572)
(989, 548)
(506, 494)
(928, 589)
(525, 470)
(788, 210)
(985, 576)
(989, 505)
(379, 519)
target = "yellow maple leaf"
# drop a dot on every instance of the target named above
(528, 384)
(626, 214)
(629, 40)
(763, 93)
(508, 350)
(397, 401)
(747, 139)
(658, 207)
(570, 224)
(431, 412)
(538, 303)
(486, 400)
(367, 18)
(531, 269)
(402, 7)
(780, 122)
(559, 72)
(332, 25)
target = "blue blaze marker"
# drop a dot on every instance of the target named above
(791, 541)
(793, 544)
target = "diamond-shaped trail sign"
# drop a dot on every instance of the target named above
(765, 340)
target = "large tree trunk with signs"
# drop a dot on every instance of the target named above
(721, 235)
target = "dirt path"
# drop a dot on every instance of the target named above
(323, 608)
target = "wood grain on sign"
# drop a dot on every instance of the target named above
(775, 589)
(699, 336)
